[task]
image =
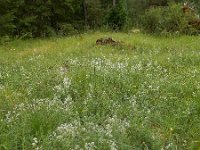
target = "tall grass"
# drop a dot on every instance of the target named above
(68, 93)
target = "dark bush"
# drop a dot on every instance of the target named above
(6, 18)
(117, 17)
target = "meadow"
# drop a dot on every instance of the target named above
(69, 93)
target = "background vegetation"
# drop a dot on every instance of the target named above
(41, 18)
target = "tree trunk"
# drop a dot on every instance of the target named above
(114, 3)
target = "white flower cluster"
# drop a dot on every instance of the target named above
(70, 131)
(36, 105)
(35, 144)
(90, 146)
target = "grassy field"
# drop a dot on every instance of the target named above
(70, 94)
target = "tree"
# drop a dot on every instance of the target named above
(117, 17)
(6, 18)
(36, 18)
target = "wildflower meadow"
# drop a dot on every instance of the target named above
(70, 94)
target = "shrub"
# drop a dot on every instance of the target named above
(170, 19)
(66, 29)
(4, 39)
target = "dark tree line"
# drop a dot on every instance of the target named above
(40, 18)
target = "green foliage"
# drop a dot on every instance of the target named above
(37, 18)
(169, 19)
(95, 13)
(135, 9)
(117, 17)
(66, 29)
(42, 18)
(6, 18)
(4, 39)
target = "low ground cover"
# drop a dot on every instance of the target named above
(69, 93)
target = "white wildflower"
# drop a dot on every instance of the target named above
(35, 142)
(169, 145)
(90, 146)
(66, 82)
(113, 145)
(63, 70)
